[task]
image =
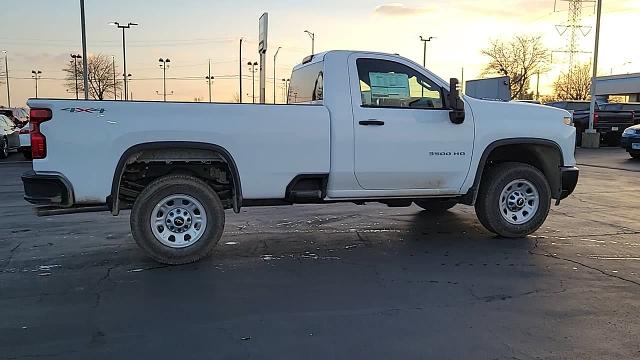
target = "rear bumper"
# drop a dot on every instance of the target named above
(569, 177)
(47, 189)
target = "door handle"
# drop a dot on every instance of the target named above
(371, 122)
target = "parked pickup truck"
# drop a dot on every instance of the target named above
(608, 122)
(358, 127)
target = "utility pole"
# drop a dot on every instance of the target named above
(124, 51)
(85, 66)
(424, 52)
(240, 62)
(113, 65)
(274, 73)
(209, 79)
(75, 70)
(36, 75)
(6, 73)
(538, 85)
(592, 108)
(164, 65)
(252, 66)
(313, 41)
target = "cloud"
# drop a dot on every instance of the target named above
(396, 9)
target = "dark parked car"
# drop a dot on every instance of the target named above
(9, 136)
(609, 123)
(631, 141)
(635, 107)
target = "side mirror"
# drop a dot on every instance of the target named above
(456, 105)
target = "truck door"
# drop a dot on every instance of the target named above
(403, 136)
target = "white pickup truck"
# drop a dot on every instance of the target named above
(358, 127)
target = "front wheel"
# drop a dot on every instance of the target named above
(514, 200)
(177, 219)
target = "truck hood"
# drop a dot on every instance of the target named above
(515, 112)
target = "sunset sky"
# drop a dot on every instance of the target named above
(41, 34)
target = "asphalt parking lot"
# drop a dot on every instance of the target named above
(332, 282)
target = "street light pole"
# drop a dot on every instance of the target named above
(6, 73)
(164, 66)
(36, 76)
(124, 51)
(209, 78)
(313, 41)
(113, 64)
(253, 79)
(240, 62)
(75, 70)
(424, 55)
(274, 73)
(595, 68)
(85, 66)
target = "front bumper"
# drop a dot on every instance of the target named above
(627, 142)
(47, 189)
(569, 180)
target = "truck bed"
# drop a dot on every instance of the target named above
(270, 144)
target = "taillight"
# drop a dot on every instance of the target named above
(596, 117)
(38, 141)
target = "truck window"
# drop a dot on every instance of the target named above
(386, 83)
(307, 84)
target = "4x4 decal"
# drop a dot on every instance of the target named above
(84, 110)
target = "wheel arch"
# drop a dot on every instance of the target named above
(131, 152)
(546, 155)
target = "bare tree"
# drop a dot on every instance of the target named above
(101, 81)
(519, 58)
(574, 85)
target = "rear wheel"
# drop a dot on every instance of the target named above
(177, 219)
(4, 148)
(513, 200)
(436, 205)
(635, 155)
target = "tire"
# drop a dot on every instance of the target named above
(436, 205)
(177, 200)
(526, 201)
(4, 148)
(635, 156)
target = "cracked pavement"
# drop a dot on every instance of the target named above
(331, 282)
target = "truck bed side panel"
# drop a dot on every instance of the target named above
(270, 144)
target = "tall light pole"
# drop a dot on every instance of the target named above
(313, 41)
(113, 65)
(274, 73)
(595, 65)
(164, 64)
(252, 66)
(36, 75)
(124, 50)
(424, 55)
(240, 62)
(209, 79)
(6, 74)
(286, 89)
(75, 58)
(85, 66)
